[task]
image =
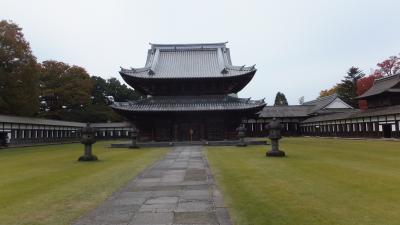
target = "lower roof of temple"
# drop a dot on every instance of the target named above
(200, 103)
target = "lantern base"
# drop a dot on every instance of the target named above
(241, 144)
(87, 158)
(275, 153)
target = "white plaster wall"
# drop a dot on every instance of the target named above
(338, 104)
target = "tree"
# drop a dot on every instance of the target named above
(112, 87)
(120, 92)
(99, 90)
(301, 100)
(328, 92)
(280, 99)
(347, 89)
(390, 66)
(65, 90)
(18, 72)
(99, 110)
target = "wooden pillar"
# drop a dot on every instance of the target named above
(176, 128)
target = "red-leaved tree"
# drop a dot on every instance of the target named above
(390, 66)
(364, 84)
(387, 67)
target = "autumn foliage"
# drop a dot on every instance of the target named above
(328, 92)
(364, 84)
(388, 67)
(18, 72)
(52, 89)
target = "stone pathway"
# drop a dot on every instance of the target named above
(179, 189)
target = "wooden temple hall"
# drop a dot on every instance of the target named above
(191, 93)
(331, 116)
(17, 130)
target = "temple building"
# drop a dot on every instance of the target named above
(292, 116)
(191, 93)
(330, 116)
(17, 130)
(381, 119)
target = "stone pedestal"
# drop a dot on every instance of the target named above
(88, 139)
(275, 152)
(241, 135)
(134, 136)
(274, 128)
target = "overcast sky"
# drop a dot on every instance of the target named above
(299, 46)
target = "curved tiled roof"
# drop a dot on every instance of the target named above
(381, 85)
(317, 106)
(320, 103)
(189, 103)
(188, 61)
(39, 121)
(285, 111)
(356, 113)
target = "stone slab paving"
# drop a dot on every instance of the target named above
(177, 190)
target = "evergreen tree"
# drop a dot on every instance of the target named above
(280, 99)
(301, 100)
(99, 110)
(347, 89)
(120, 92)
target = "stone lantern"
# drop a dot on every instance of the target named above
(274, 128)
(241, 134)
(88, 139)
(134, 136)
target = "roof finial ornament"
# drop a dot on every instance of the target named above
(224, 71)
(151, 72)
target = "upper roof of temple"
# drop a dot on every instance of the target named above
(185, 62)
(188, 61)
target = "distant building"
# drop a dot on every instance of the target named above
(381, 119)
(18, 130)
(331, 116)
(292, 116)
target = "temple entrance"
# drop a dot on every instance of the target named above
(215, 129)
(162, 130)
(387, 130)
(189, 131)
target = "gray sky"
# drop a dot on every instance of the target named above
(299, 46)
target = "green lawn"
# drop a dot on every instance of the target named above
(46, 184)
(322, 181)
